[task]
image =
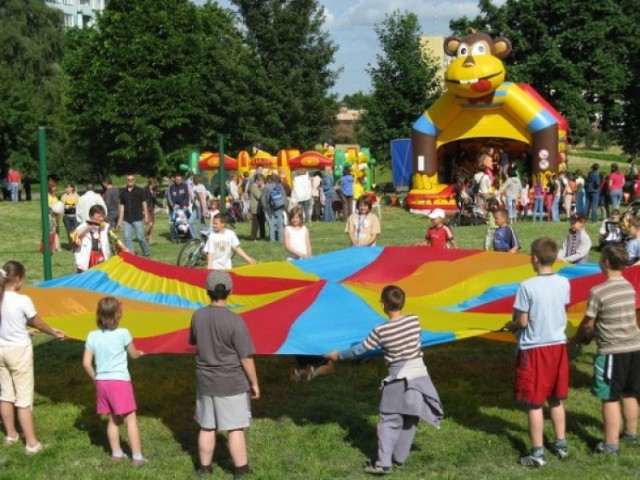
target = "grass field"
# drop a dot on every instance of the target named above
(321, 430)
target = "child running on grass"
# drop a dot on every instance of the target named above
(542, 366)
(408, 393)
(611, 318)
(109, 346)
(16, 356)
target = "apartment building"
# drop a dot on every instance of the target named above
(78, 13)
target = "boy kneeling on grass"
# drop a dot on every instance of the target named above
(611, 319)
(542, 365)
(408, 393)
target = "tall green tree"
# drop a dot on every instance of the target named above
(292, 91)
(573, 52)
(630, 138)
(31, 84)
(156, 79)
(357, 101)
(404, 81)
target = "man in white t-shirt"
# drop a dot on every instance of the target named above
(86, 201)
(222, 244)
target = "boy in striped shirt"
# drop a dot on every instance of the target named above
(408, 393)
(611, 319)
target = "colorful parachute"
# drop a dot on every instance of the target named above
(310, 306)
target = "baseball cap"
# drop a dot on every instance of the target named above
(577, 217)
(436, 213)
(218, 277)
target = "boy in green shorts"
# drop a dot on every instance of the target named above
(611, 319)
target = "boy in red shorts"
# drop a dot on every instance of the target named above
(542, 369)
(611, 319)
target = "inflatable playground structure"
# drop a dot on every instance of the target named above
(286, 161)
(479, 110)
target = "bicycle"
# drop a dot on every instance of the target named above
(192, 254)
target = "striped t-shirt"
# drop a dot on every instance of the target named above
(400, 339)
(613, 306)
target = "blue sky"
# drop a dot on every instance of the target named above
(351, 24)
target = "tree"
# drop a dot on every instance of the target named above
(31, 93)
(357, 101)
(292, 94)
(156, 79)
(630, 138)
(573, 52)
(405, 82)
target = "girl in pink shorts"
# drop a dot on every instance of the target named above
(109, 346)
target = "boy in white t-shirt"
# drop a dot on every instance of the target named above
(222, 244)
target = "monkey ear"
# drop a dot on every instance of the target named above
(451, 45)
(501, 47)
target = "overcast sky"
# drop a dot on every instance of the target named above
(351, 24)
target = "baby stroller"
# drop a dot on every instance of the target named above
(179, 228)
(469, 212)
(234, 212)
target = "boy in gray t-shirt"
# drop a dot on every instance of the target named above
(611, 319)
(225, 375)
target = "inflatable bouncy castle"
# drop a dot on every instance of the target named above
(479, 110)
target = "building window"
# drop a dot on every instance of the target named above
(68, 20)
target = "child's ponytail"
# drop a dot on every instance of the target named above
(9, 273)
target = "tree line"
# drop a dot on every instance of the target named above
(155, 79)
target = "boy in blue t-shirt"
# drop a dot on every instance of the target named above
(504, 238)
(542, 366)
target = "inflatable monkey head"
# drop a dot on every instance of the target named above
(477, 69)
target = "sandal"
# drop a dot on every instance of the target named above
(8, 441)
(35, 449)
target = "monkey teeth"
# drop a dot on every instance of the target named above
(469, 82)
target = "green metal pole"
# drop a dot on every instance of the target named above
(44, 202)
(222, 175)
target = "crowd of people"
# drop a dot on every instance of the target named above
(277, 212)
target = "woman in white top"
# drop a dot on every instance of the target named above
(296, 236)
(16, 356)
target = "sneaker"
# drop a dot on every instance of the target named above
(37, 448)
(241, 472)
(530, 460)
(607, 448)
(294, 375)
(629, 437)
(377, 470)
(117, 458)
(397, 464)
(138, 463)
(205, 470)
(311, 373)
(560, 450)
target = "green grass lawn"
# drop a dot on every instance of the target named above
(321, 430)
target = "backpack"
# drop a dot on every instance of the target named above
(276, 199)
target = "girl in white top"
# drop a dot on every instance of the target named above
(296, 236)
(16, 356)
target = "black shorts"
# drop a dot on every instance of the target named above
(616, 375)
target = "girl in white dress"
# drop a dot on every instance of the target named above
(296, 236)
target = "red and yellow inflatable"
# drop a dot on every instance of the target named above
(480, 105)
